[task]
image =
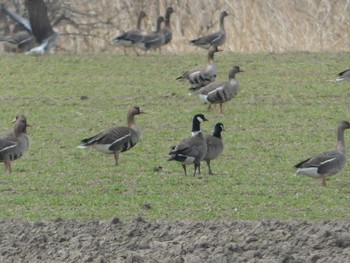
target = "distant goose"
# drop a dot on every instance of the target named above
(326, 163)
(13, 145)
(131, 37)
(344, 75)
(42, 30)
(193, 149)
(220, 92)
(199, 77)
(166, 30)
(117, 139)
(215, 145)
(214, 39)
(152, 40)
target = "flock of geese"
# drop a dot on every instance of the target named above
(191, 150)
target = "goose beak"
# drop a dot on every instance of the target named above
(241, 70)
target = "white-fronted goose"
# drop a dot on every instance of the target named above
(152, 40)
(215, 145)
(326, 163)
(166, 30)
(220, 92)
(193, 149)
(42, 30)
(117, 139)
(13, 145)
(344, 75)
(214, 39)
(199, 77)
(131, 37)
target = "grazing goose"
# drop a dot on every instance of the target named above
(214, 39)
(220, 92)
(166, 30)
(199, 77)
(344, 75)
(131, 37)
(326, 163)
(193, 149)
(215, 145)
(42, 30)
(154, 39)
(117, 139)
(13, 145)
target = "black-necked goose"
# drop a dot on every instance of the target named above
(13, 145)
(214, 39)
(117, 139)
(131, 37)
(344, 75)
(199, 77)
(42, 30)
(193, 149)
(326, 163)
(220, 92)
(166, 30)
(152, 40)
(215, 145)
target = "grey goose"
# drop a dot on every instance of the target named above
(213, 39)
(344, 75)
(166, 30)
(131, 37)
(222, 91)
(193, 149)
(116, 139)
(46, 37)
(199, 77)
(215, 145)
(326, 163)
(13, 145)
(152, 40)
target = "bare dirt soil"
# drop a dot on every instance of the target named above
(144, 241)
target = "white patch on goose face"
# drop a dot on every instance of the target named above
(309, 171)
(200, 119)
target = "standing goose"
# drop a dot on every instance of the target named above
(326, 163)
(193, 149)
(152, 40)
(220, 92)
(131, 37)
(166, 30)
(13, 145)
(42, 30)
(199, 77)
(117, 139)
(344, 75)
(215, 145)
(214, 39)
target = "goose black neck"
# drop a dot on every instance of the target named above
(217, 132)
(196, 125)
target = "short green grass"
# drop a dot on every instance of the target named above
(286, 110)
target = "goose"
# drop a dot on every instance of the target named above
(166, 30)
(215, 145)
(116, 139)
(154, 39)
(214, 39)
(13, 145)
(42, 30)
(193, 149)
(344, 75)
(326, 163)
(199, 77)
(220, 92)
(131, 37)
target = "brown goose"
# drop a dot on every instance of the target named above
(193, 149)
(220, 92)
(214, 39)
(117, 139)
(199, 77)
(166, 30)
(131, 37)
(13, 145)
(152, 40)
(344, 75)
(215, 145)
(326, 163)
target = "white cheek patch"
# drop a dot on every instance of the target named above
(200, 119)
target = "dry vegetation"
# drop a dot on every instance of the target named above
(253, 26)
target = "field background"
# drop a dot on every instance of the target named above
(253, 26)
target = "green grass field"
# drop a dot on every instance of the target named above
(286, 110)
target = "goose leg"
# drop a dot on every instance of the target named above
(116, 157)
(197, 166)
(323, 181)
(8, 166)
(137, 53)
(214, 108)
(221, 107)
(184, 167)
(208, 163)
